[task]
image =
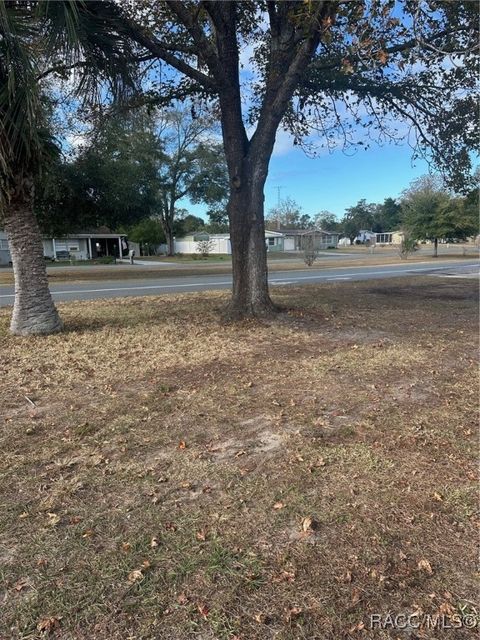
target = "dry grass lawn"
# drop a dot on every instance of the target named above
(176, 477)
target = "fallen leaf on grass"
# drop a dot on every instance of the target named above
(154, 543)
(262, 618)
(347, 577)
(357, 627)
(438, 496)
(182, 599)
(424, 565)
(284, 576)
(309, 525)
(182, 444)
(126, 547)
(53, 519)
(135, 576)
(21, 584)
(278, 505)
(291, 614)
(203, 610)
(48, 625)
(446, 609)
(201, 535)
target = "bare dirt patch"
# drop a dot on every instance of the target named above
(179, 477)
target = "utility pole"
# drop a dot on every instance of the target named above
(278, 195)
(278, 188)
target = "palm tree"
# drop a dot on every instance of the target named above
(86, 37)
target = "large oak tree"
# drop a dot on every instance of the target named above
(402, 70)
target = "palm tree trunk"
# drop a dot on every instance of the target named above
(34, 311)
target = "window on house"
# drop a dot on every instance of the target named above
(4, 244)
(271, 242)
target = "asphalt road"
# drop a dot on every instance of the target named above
(179, 284)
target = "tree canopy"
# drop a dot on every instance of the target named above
(112, 181)
(390, 67)
(431, 213)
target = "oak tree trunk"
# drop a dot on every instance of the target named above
(435, 248)
(250, 296)
(34, 311)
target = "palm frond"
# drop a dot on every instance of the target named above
(38, 34)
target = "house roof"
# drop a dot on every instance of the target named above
(304, 232)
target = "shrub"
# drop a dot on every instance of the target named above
(407, 246)
(204, 247)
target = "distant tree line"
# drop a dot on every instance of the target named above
(426, 210)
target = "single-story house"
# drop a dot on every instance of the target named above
(389, 237)
(220, 242)
(86, 246)
(4, 250)
(300, 239)
(76, 246)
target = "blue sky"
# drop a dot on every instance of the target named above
(335, 181)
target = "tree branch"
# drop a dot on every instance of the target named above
(160, 51)
(203, 44)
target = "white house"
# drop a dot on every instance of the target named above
(221, 242)
(86, 246)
